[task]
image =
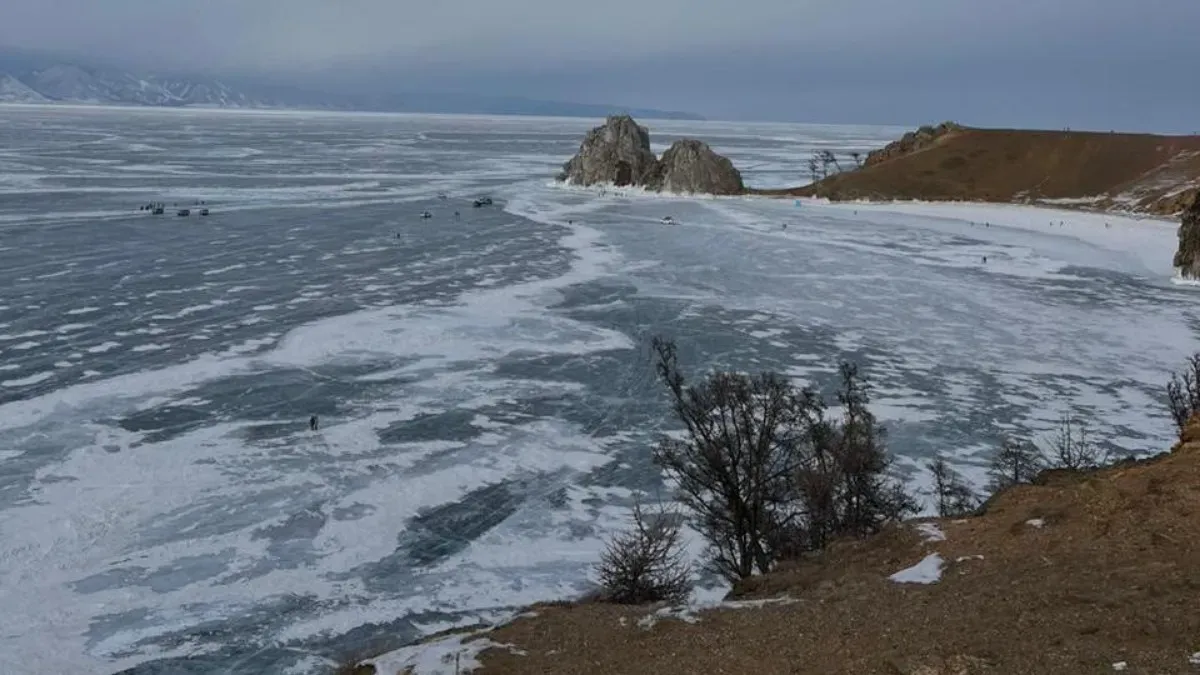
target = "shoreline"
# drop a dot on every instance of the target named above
(1080, 205)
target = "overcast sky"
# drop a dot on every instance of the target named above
(1127, 64)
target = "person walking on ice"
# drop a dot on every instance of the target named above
(313, 424)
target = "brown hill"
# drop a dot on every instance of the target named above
(1135, 172)
(1072, 575)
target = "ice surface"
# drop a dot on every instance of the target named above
(928, 571)
(485, 394)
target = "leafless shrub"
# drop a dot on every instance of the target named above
(766, 473)
(646, 564)
(1071, 446)
(1015, 463)
(829, 159)
(953, 496)
(1183, 392)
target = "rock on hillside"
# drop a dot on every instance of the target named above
(618, 152)
(1187, 256)
(690, 166)
(911, 142)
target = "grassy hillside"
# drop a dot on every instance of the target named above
(1135, 172)
(1070, 575)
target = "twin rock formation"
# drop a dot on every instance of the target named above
(618, 153)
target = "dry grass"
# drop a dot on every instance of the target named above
(1112, 574)
(1137, 172)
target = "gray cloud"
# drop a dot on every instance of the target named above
(724, 57)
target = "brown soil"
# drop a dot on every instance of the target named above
(1111, 574)
(1135, 172)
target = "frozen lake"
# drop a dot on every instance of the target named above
(483, 382)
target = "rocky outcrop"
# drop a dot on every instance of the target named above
(1187, 256)
(618, 153)
(911, 142)
(690, 166)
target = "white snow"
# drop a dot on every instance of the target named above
(151, 347)
(931, 532)
(928, 571)
(27, 381)
(1036, 522)
(103, 347)
(446, 656)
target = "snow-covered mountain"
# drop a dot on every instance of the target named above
(73, 84)
(13, 90)
(32, 80)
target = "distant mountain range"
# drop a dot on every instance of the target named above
(72, 83)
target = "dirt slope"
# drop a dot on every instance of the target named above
(1068, 576)
(1135, 172)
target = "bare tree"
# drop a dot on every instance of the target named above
(819, 158)
(1071, 447)
(828, 158)
(1183, 392)
(954, 497)
(1015, 463)
(736, 466)
(646, 564)
(857, 157)
(812, 168)
(870, 500)
(766, 473)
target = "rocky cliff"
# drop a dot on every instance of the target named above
(618, 152)
(911, 142)
(1187, 256)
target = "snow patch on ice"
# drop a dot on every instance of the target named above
(27, 381)
(152, 347)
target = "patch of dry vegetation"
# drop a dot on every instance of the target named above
(1135, 172)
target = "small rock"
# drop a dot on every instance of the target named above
(1187, 255)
